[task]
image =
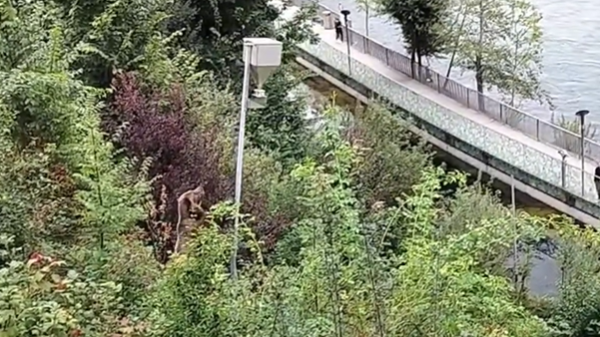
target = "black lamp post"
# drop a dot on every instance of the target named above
(345, 13)
(582, 114)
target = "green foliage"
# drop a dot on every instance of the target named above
(113, 195)
(391, 160)
(125, 261)
(349, 230)
(53, 124)
(433, 295)
(43, 297)
(113, 34)
(35, 207)
(181, 302)
(63, 186)
(280, 128)
(501, 41)
(215, 31)
(574, 312)
(420, 21)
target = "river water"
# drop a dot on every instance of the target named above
(571, 52)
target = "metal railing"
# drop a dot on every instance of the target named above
(530, 125)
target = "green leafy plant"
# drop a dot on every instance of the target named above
(41, 296)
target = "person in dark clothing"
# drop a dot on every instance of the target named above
(597, 179)
(338, 30)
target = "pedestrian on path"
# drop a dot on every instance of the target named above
(339, 32)
(597, 179)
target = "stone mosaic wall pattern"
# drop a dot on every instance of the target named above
(504, 148)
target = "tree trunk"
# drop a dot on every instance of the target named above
(367, 19)
(479, 70)
(413, 53)
(420, 67)
(412, 63)
(456, 44)
(479, 79)
(479, 74)
(515, 58)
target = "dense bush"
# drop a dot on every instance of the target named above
(347, 230)
(337, 254)
(392, 159)
(155, 125)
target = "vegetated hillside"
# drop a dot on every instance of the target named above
(110, 112)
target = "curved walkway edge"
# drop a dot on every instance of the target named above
(539, 165)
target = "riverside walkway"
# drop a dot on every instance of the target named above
(502, 133)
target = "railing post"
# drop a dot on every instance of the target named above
(437, 78)
(537, 129)
(387, 57)
(563, 168)
(468, 100)
(502, 113)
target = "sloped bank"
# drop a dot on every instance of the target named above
(560, 199)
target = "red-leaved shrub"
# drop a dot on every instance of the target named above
(155, 126)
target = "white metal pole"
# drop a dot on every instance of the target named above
(513, 204)
(513, 197)
(240, 155)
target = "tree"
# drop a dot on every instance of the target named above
(113, 34)
(280, 127)
(433, 295)
(420, 21)
(575, 311)
(370, 238)
(478, 42)
(502, 43)
(518, 77)
(391, 158)
(368, 7)
(52, 132)
(215, 30)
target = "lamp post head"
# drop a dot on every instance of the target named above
(345, 12)
(562, 153)
(582, 113)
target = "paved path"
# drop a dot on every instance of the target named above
(328, 36)
(499, 140)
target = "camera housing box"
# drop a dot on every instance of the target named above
(265, 57)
